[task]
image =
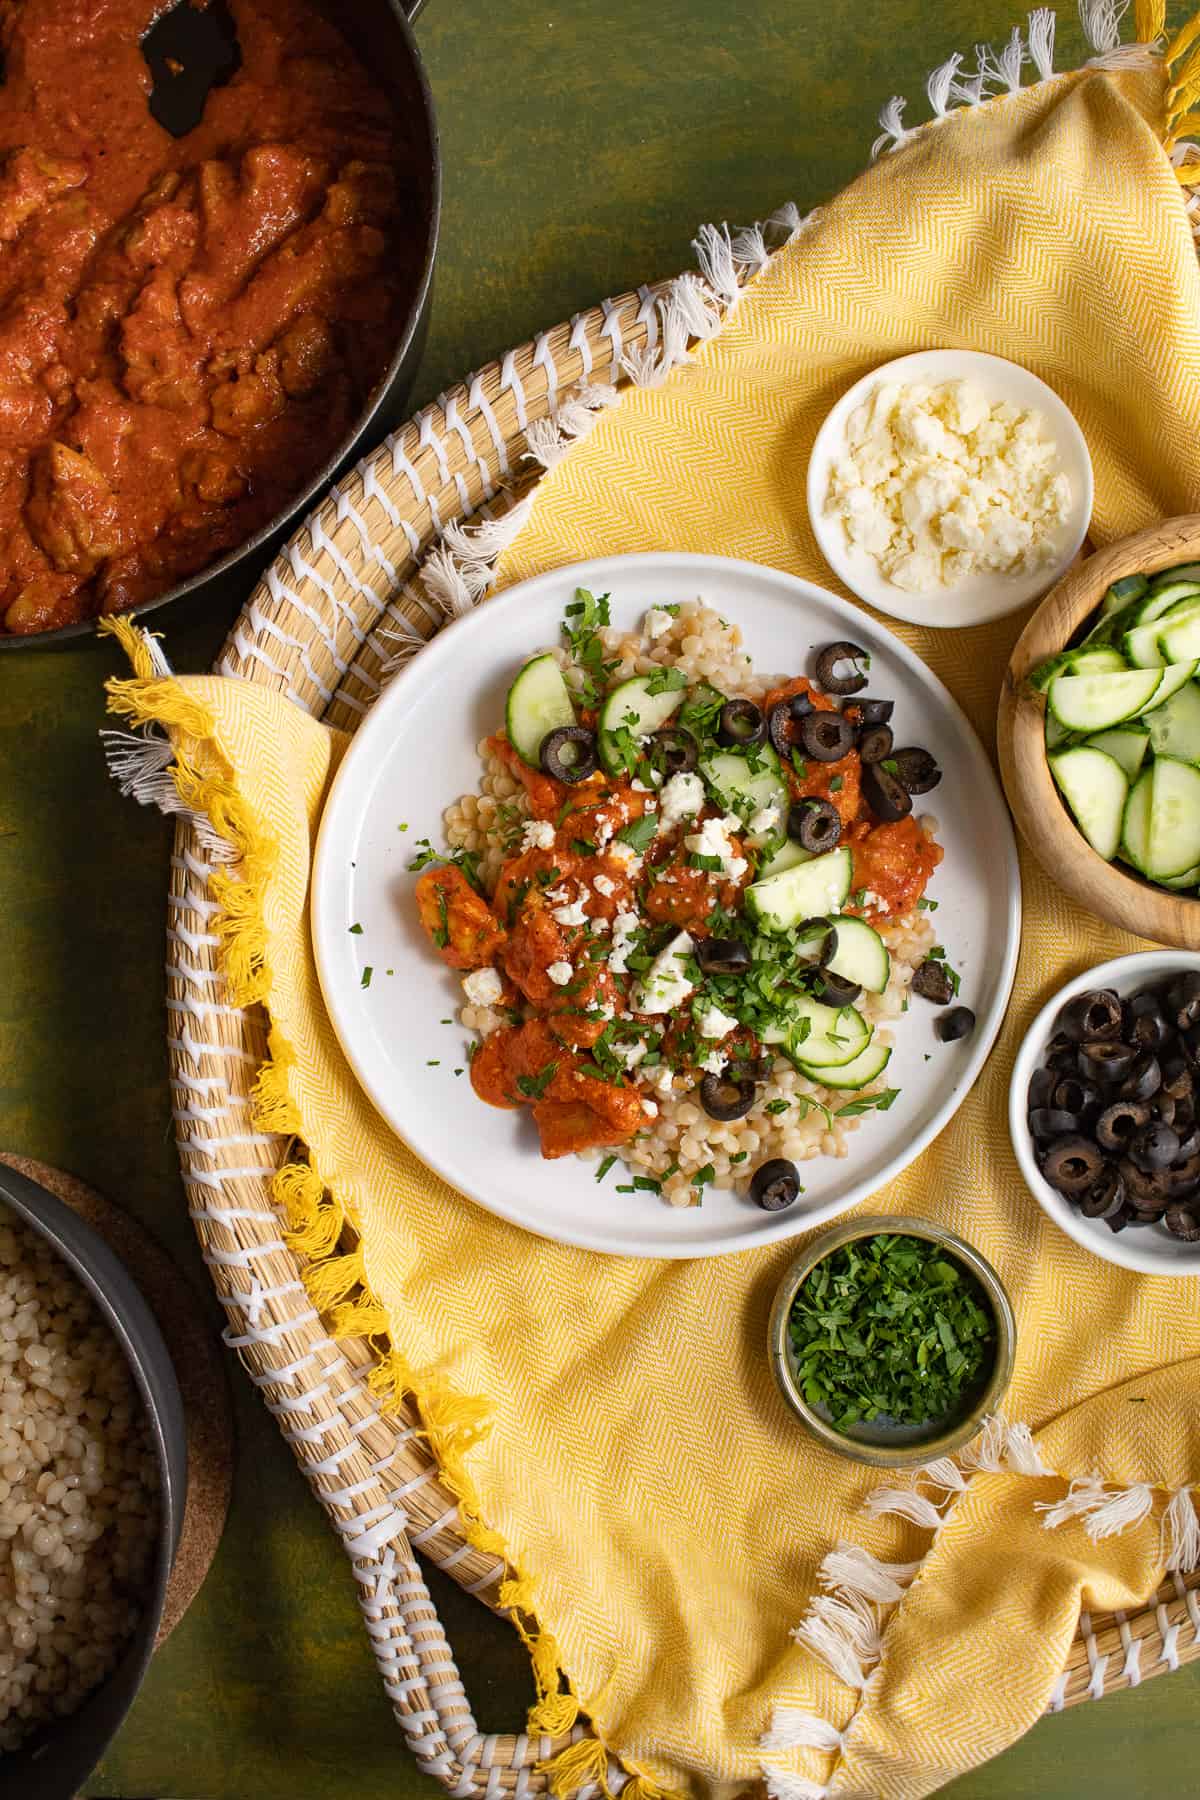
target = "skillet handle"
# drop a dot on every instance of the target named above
(411, 8)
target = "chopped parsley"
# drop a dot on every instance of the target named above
(605, 1166)
(703, 1176)
(366, 976)
(835, 786)
(927, 905)
(465, 860)
(880, 1102)
(585, 617)
(712, 865)
(740, 1157)
(356, 931)
(534, 1086)
(546, 876)
(639, 833)
(402, 827)
(892, 1327)
(777, 1106)
(667, 680)
(938, 955)
(584, 847)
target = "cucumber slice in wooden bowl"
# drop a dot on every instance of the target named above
(1096, 789)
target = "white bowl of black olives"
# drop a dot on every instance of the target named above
(1104, 1111)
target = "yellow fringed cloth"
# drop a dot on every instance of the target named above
(612, 1425)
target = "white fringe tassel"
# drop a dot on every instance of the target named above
(782, 1785)
(851, 1569)
(549, 439)
(1182, 1530)
(794, 1729)
(1105, 1512)
(1101, 22)
(902, 1503)
(1042, 22)
(138, 763)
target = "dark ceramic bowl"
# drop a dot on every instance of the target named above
(52, 1764)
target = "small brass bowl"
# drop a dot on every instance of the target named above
(881, 1443)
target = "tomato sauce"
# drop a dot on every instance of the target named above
(188, 327)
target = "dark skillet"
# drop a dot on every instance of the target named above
(380, 32)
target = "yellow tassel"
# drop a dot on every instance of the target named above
(642, 1787)
(243, 933)
(358, 1318)
(516, 1593)
(314, 1217)
(453, 1422)
(1183, 40)
(1183, 91)
(390, 1380)
(576, 1766)
(1149, 20)
(133, 641)
(273, 1106)
(556, 1710)
(330, 1281)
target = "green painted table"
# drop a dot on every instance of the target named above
(583, 144)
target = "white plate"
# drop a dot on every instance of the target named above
(982, 597)
(1150, 1248)
(415, 753)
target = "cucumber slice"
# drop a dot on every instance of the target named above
(1141, 647)
(1174, 727)
(1095, 787)
(1126, 744)
(1129, 587)
(634, 708)
(827, 1037)
(1135, 827)
(1154, 615)
(1087, 659)
(539, 701)
(1189, 879)
(1165, 598)
(745, 786)
(807, 891)
(1179, 639)
(861, 955)
(1056, 734)
(864, 1068)
(1094, 702)
(1167, 577)
(1174, 842)
(1171, 679)
(788, 856)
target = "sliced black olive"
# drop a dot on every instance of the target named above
(1117, 1123)
(873, 712)
(1182, 1114)
(1147, 1215)
(1145, 1189)
(815, 825)
(826, 736)
(1072, 1165)
(1060, 1044)
(1184, 1180)
(818, 939)
(1189, 1145)
(1106, 1194)
(959, 1022)
(727, 1096)
(1076, 1096)
(1183, 1000)
(1154, 1146)
(1041, 1082)
(722, 956)
(932, 981)
(830, 660)
(780, 721)
(1177, 1078)
(1046, 1123)
(833, 990)
(1092, 1015)
(1145, 1022)
(741, 725)
(678, 748)
(916, 771)
(569, 754)
(1119, 1220)
(1144, 1078)
(884, 795)
(775, 1184)
(759, 1067)
(1102, 1060)
(1183, 1223)
(875, 744)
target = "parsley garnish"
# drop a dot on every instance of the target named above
(799, 764)
(639, 832)
(534, 1086)
(546, 876)
(869, 1103)
(891, 765)
(835, 786)
(740, 1157)
(777, 1106)
(583, 846)
(441, 936)
(356, 931)
(712, 865)
(666, 681)
(927, 905)
(366, 976)
(889, 1326)
(703, 1176)
(585, 618)
(938, 955)
(605, 1166)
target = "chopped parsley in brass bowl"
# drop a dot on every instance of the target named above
(892, 1339)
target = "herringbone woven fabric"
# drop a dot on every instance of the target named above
(640, 1470)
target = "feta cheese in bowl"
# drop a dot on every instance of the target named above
(949, 488)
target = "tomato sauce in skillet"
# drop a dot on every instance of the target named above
(188, 327)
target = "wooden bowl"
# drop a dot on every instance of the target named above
(1110, 890)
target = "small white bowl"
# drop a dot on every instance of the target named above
(1148, 1248)
(981, 597)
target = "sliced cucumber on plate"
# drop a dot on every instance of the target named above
(809, 890)
(633, 711)
(861, 955)
(866, 1067)
(539, 702)
(745, 785)
(820, 1037)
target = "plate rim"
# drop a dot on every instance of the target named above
(878, 594)
(322, 931)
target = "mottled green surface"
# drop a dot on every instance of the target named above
(583, 144)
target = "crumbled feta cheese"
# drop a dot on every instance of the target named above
(713, 1063)
(623, 852)
(656, 623)
(713, 1023)
(537, 835)
(604, 832)
(604, 884)
(559, 895)
(682, 797)
(625, 927)
(766, 820)
(712, 839)
(573, 914)
(936, 484)
(560, 973)
(650, 1109)
(604, 1012)
(598, 927)
(629, 1055)
(639, 787)
(483, 987)
(666, 983)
